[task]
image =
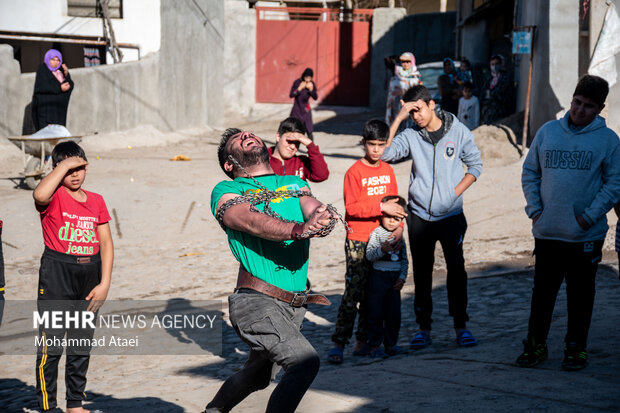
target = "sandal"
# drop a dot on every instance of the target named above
(396, 351)
(465, 338)
(421, 340)
(364, 351)
(378, 354)
(335, 355)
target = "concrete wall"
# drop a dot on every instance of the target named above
(475, 51)
(178, 87)
(140, 23)
(190, 62)
(430, 36)
(239, 77)
(555, 68)
(564, 55)
(551, 53)
(15, 93)
(382, 38)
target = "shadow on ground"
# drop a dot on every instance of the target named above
(444, 377)
(347, 123)
(16, 396)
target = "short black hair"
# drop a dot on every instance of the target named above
(65, 150)
(307, 72)
(468, 85)
(291, 124)
(417, 92)
(375, 130)
(593, 87)
(401, 200)
(222, 153)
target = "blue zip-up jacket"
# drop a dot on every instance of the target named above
(568, 173)
(436, 169)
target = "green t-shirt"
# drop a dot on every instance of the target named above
(284, 263)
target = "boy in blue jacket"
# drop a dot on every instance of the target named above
(439, 146)
(571, 179)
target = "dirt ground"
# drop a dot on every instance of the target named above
(155, 227)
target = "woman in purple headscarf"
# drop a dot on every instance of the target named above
(52, 90)
(302, 90)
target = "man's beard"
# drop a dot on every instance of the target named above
(256, 156)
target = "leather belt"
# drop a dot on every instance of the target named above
(247, 280)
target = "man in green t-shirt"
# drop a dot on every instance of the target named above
(269, 302)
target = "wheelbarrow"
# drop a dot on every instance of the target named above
(36, 156)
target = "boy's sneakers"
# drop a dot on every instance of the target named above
(533, 353)
(575, 357)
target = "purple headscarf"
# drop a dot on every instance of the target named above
(51, 53)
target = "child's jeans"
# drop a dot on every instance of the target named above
(383, 308)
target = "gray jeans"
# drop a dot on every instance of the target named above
(272, 330)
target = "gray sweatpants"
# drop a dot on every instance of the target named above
(272, 330)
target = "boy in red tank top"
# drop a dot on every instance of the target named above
(76, 268)
(366, 183)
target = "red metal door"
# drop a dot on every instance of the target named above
(290, 39)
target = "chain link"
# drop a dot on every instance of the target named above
(266, 196)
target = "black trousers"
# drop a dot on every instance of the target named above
(383, 308)
(576, 262)
(423, 235)
(63, 285)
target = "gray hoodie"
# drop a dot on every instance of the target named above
(437, 167)
(571, 172)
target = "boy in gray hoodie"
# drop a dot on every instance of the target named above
(439, 146)
(571, 179)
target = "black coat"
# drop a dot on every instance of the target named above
(49, 102)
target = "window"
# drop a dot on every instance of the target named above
(92, 8)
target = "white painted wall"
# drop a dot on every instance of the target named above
(141, 22)
(564, 53)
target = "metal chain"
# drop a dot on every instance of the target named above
(266, 196)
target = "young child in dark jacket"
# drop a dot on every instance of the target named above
(570, 179)
(387, 277)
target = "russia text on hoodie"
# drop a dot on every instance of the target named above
(571, 172)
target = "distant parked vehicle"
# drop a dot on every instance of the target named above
(430, 72)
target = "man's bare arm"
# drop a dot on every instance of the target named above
(315, 212)
(240, 218)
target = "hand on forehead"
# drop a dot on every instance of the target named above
(292, 136)
(414, 106)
